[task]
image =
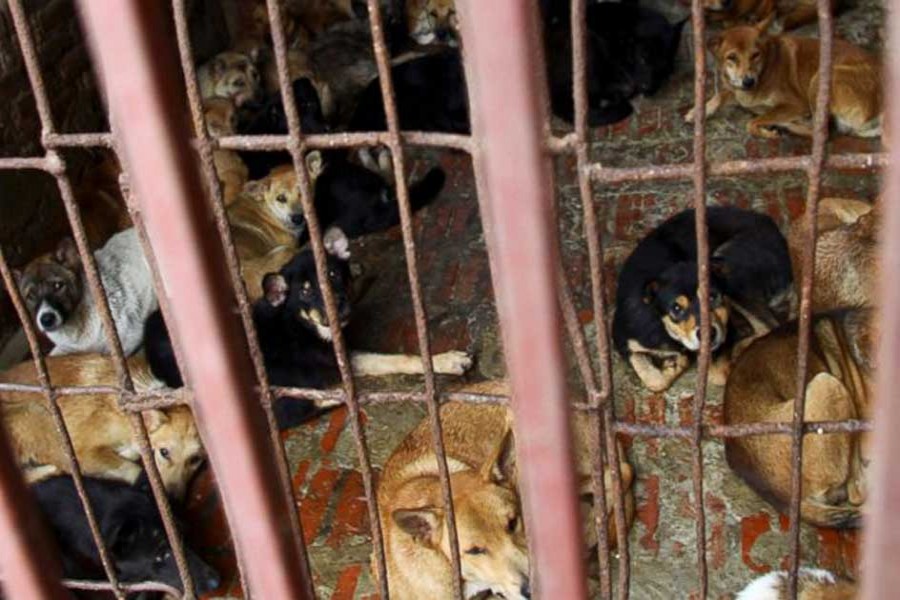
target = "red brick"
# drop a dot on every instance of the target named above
(315, 504)
(715, 515)
(346, 583)
(351, 515)
(336, 422)
(648, 513)
(752, 527)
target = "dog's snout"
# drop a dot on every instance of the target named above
(297, 219)
(525, 589)
(211, 582)
(748, 82)
(49, 320)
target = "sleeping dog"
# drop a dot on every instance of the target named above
(55, 290)
(657, 322)
(631, 51)
(295, 337)
(130, 526)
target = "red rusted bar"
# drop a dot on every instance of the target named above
(344, 140)
(881, 543)
(29, 570)
(698, 26)
(816, 163)
(128, 46)
(507, 96)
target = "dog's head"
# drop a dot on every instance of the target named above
(268, 116)
(136, 538)
(52, 286)
(674, 296)
(279, 192)
(177, 448)
(433, 21)
(221, 116)
(234, 75)
(296, 287)
(741, 54)
(489, 524)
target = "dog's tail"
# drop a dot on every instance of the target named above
(422, 192)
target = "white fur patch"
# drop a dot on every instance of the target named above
(771, 586)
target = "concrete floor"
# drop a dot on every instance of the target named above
(746, 536)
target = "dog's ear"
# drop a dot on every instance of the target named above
(763, 26)
(256, 188)
(502, 466)
(336, 243)
(713, 44)
(154, 419)
(650, 291)
(422, 524)
(315, 164)
(67, 254)
(275, 288)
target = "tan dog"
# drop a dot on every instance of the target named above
(776, 77)
(268, 212)
(789, 14)
(100, 431)
(846, 253)
(481, 459)
(431, 21)
(812, 584)
(761, 389)
(221, 120)
(232, 75)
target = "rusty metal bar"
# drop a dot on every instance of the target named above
(881, 543)
(699, 181)
(814, 174)
(604, 396)
(127, 43)
(297, 148)
(395, 145)
(507, 96)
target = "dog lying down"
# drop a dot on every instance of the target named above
(130, 526)
(295, 336)
(656, 326)
(481, 458)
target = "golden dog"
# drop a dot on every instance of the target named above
(480, 456)
(776, 77)
(221, 120)
(100, 431)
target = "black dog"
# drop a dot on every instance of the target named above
(431, 96)
(291, 326)
(631, 51)
(657, 322)
(267, 118)
(130, 525)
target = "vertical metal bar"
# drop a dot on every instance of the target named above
(296, 149)
(205, 147)
(817, 161)
(595, 260)
(128, 47)
(698, 29)
(508, 100)
(409, 246)
(881, 543)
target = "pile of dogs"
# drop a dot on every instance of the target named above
(656, 326)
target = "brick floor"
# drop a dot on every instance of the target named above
(746, 535)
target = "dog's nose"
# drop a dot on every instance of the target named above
(748, 82)
(298, 219)
(49, 320)
(525, 590)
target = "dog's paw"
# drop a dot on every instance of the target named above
(690, 116)
(763, 131)
(454, 362)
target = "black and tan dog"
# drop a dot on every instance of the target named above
(657, 322)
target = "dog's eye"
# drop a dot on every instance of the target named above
(676, 309)
(715, 298)
(754, 56)
(164, 452)
(731, 57)
(476, 550)
(332, 273)
(58, 285)
(281, 198)
(512, 524)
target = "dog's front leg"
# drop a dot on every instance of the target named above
(658, 378)
(374, 363)
(784, 116)
(723, 96)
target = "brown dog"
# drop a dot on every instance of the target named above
(789, 14)
(221, 120)
(481, 459)
(776, 77)
(231, 75)
(761, 389)
(846, 253)
(100, 431)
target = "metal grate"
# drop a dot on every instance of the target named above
(507, 137)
